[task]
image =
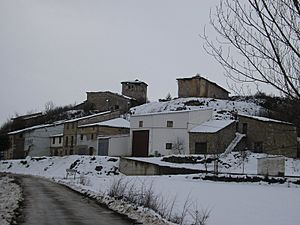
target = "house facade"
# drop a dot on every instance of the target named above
(32, 141)
(71, 129)
(212, 137)
(198, 86)
(264, 135)
(114, 145)
(164, 133)
(87, 135)
(56, 145)
(109, 101)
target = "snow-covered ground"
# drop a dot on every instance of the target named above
(229, 203)
(10, 196)
(230, 163)
(222, 108)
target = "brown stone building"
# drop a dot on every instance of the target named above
(212, 137)
(109, 101)
(264, 135)
(133, 93)
(135, 89)
(198, 86)
(87, 134)
(71, 128)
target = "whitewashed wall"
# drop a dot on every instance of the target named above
(160, 134)
(119, 145)
(37, 142)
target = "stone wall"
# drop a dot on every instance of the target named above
(200, 87)
(272, 166)
(269, 137)
(108, 101)
(136, 90)
(216, 142)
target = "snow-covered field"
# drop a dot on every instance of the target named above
(228, 203)
(10, 196)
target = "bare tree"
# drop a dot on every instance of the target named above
(178, 146)
(49, 106)
(264, 35)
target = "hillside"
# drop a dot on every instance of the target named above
(222, 109)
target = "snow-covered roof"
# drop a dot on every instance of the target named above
(31, 128)
(86, 117)
(197, 76)
(111, 93)
(264, 119)
(118, 122)
(170, 112)
(212, 126)
(136, 81)
(57, 135)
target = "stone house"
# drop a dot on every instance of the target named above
(71, 128)
(133, 93)
(164, 133)
(56, 145)
(87, 135)
(135, 89)
(109, 101)
(264, 135)
(32, 141)
(212, 137)
(198, 86)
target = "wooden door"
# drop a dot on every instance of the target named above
(140, 143)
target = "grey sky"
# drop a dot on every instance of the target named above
(59, 49)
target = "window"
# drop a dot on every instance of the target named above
(168, 145)
(72, 125)
(59, 140)
(81, 137)
(72, 140)
(258, 147)
(67, 140)
(53, 140)
(141, 124)
(92, 136)
(201, 148)
(169, 123)
(245, 128)
(67, 126)
(117, 107)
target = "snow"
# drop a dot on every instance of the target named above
(229, 163)
(223, 109)
(86, 117)
(10, 195)
(118, 122)
(212, 126)
(57, 135)
(233, 144)
(31, 128)
(264, 119)
(229, 203)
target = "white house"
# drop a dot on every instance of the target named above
(165, 132)
(36, 138)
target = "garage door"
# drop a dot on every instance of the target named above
(140, 143)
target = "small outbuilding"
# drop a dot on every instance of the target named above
(212, 137)
(265, 135)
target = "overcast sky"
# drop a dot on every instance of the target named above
(59, 49)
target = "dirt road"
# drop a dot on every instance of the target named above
(47, 203)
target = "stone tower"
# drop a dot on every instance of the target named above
(135, 89)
